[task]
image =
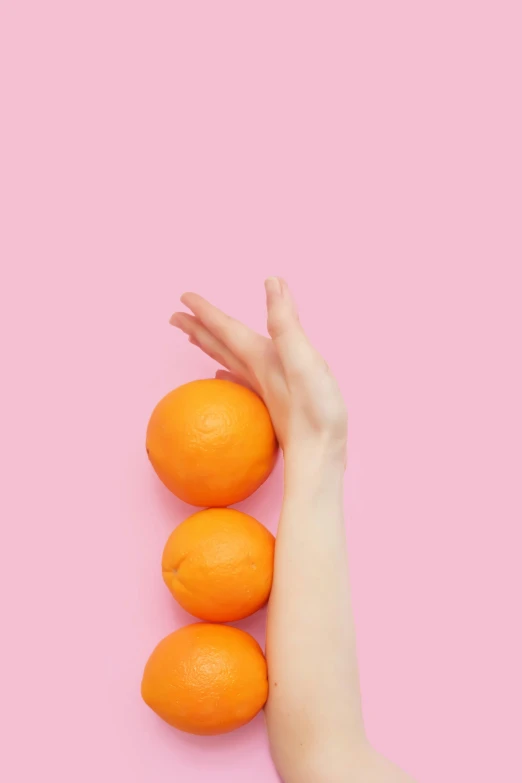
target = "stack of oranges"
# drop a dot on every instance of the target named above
(212, 444)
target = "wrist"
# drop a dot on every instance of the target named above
(315, 461)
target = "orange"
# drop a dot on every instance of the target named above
(211, 442)
(218, 564)
(206, 679)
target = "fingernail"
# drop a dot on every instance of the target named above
(174, 320)
(273, 285)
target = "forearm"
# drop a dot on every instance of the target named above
(314, 714)
(314, 684)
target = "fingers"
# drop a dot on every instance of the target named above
(237, 337)
(200, 336)
(295, 351)
(281, 311)
(223, 375)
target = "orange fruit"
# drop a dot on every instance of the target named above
(218, 564)
(206, 679)
(211, 442)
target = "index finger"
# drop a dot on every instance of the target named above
(240, 339)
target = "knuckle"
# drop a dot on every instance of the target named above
(279, 321)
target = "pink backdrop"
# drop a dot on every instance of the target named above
(369, 152)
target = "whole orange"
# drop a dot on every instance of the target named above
(219, 564)
(211, 442)
(206, 679)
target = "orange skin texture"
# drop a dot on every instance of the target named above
(212, 442)
(218, 564)
(206, 679)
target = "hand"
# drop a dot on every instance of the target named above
(292, 378)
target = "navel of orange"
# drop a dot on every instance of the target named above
(218, 564)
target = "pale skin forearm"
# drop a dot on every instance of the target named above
(311, 638)
(314, 714)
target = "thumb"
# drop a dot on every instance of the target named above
(294, 349)
(281, 311)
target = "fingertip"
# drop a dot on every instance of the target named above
(273, 285)
(279, 286)
(287, 295)
(285, 290)
(182, 321)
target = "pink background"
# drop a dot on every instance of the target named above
(370, 152)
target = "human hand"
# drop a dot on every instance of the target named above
(302, 396)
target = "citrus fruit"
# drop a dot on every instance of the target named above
(211, 442)
(218, 564)
(206, 679)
